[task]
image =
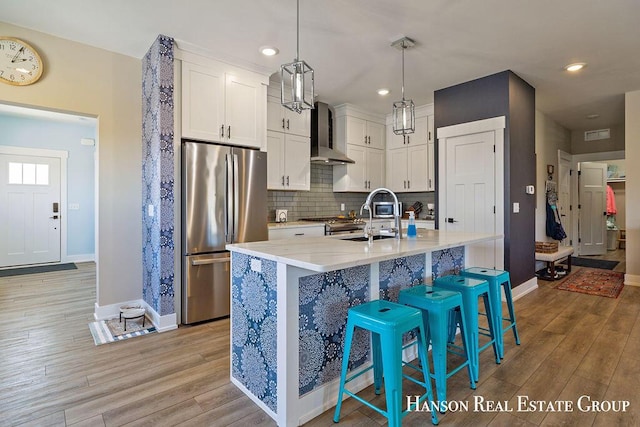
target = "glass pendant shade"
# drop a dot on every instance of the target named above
(404, 117)
(298, 77)
(297, 86)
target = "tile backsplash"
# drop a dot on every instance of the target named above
(322, 201)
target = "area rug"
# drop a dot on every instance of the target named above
(594, 281)
(37, 269)
(593, 263)
(111, 330)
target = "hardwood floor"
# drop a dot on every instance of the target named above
(53, 374)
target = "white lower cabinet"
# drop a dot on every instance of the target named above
(288, 164)
(285, 232)
(424, 224)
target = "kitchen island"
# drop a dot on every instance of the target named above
(289, 309)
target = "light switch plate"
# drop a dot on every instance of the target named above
(150, 210)
(516, 207)
(74, 206)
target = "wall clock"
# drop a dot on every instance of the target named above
(20, 64)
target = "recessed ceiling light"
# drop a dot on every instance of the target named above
(383, 91)
(575, 66)
(269, 50)
(593, 116)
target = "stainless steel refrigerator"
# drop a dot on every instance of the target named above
(224, 200)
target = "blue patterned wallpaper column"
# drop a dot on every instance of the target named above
(254, 322)
(158, 176)
(447, 261)
(324, 300)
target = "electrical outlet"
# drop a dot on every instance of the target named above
(256, 265)
(516, 207)
(150, 210)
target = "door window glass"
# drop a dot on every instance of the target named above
(28, 173)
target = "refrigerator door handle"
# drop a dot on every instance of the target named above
(236, 198)
(229, 197)
(210, 261)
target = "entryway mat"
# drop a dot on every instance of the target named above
(593, 263)
(37, 269)
(111, 330)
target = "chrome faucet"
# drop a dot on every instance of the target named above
(368, 231)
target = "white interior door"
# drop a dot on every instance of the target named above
(593, 208)
(30, 213)
(470, 192)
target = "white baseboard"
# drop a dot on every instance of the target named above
(632, 280)
(162, 323)
(80, 258)
(524, 288)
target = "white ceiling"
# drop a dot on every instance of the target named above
(347, 42)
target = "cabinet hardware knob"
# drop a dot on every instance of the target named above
(283, 180)
(283, 123)
(287, 180)
(287, 123)
(229, 132)
(222, 131)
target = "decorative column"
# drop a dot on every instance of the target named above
(158, 177)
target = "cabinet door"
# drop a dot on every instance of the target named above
(375, 168)
(298, 124)
(375, 135)
(417, 168)
(419, 137)
(356, 177)
(297, 165)
(356, 130)
(275, 115)
(394, 141)
(244, 102)
(275, 160)
(397, 169)
(202, 102)
(431, 172)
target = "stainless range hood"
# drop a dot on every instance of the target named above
(322, 138)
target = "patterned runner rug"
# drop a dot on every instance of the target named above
(106, 331)
(594, 281)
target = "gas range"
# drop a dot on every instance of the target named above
(334, 225)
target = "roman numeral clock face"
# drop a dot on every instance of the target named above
(20, 64)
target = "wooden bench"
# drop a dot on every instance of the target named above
(551, 258)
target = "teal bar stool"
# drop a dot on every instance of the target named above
(471, 290)
(497, 278)
(436, 304)
(386, 321)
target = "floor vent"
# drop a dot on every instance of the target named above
(594, 135)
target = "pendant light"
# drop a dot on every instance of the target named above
(404, 112)
(299, 76)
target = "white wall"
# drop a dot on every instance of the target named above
(86, 80)
(632, 152)
(550, 137)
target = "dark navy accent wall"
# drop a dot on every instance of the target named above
(502, 94)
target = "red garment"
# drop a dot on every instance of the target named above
(611, 201)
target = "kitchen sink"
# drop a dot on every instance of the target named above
(365, 239)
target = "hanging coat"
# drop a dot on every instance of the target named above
(553, 225)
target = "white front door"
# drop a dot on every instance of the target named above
(593, 208)
(470, 192)
(29, 210)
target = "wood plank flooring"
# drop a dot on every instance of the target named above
(52, 374)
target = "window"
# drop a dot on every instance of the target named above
(28, 173)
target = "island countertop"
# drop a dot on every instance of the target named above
(328, 253)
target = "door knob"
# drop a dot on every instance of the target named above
(451, 220)
(54, 217)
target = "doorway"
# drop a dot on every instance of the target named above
(30, 191)
(72, 139)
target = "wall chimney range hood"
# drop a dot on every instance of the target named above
(322, 151)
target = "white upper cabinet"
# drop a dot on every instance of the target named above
(363, 132)
(282, 119)
(410, 158)
(362, 137)
(288, 164)
(221, 103)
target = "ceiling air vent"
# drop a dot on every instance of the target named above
(594, 135)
